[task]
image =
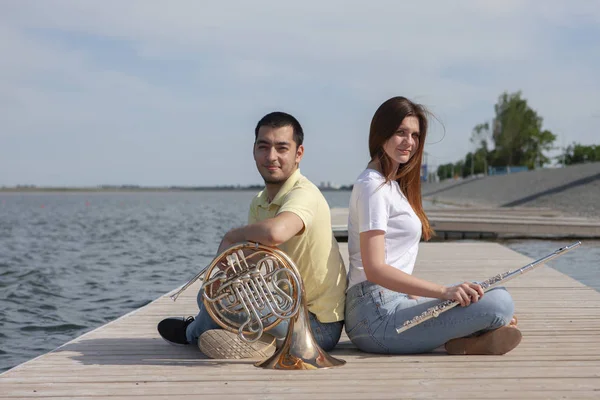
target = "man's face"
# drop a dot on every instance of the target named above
(276, 153)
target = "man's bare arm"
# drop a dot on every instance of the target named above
(269, 232)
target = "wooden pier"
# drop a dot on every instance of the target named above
(559, 356)
(472, 223)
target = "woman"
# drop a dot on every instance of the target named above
(386, 222)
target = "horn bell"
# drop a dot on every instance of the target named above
(249, 289)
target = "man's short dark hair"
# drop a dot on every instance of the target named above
(280, 119)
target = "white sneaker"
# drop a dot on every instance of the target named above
(222, 344)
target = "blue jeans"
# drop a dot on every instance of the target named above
(327, 335)
(373, 313)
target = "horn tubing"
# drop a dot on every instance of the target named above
(175, 295)
(249, 294)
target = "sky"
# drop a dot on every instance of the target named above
(159, 93)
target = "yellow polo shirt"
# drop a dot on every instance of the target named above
(315, 251)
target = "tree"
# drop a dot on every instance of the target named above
(514, 138)
(460, 170)
(518, 135)
(469, 164)
(578, 154)
(445, 171)
(481, 136)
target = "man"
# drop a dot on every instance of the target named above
(292, 214)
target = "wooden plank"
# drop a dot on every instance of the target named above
(559, 356)
(337, 388)
(378, 394)
(507, 220)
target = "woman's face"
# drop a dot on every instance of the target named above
(403, 144)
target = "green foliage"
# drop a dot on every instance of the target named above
(514, 138)
(445, 171)
(578, 154)
(518, 135)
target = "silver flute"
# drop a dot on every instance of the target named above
(433, 312)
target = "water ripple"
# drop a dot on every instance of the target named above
(88, 258)
(52, 328)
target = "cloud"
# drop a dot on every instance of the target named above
(149, 93)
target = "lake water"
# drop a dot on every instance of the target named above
(70, 262)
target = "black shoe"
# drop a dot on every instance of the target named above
(173, 330)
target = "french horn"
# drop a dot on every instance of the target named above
(249, 289)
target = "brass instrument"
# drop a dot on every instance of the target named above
(435, 311)
(249, 289)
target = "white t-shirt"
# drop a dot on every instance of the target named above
(378, 206)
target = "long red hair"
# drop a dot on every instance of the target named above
(384, 124)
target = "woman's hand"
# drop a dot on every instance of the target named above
(465, 293)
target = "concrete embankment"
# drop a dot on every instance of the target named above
(573, 190)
